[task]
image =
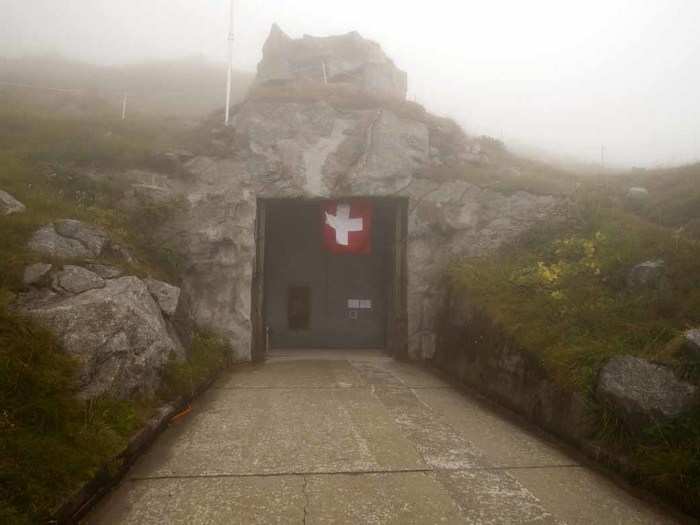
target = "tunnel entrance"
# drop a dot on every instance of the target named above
(330, 274)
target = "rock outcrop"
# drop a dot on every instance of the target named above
(75, 280)
(10, 205)
(281, 146)
(345, 58)
(73, 239)
(109, 322)
(69, 238)
(166, 295)
(104, 270)
(643, 393)
(35, 273)
(691, 343)
(115, 331)
(345, 139)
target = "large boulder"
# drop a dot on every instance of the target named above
(691, 343)
(336, 143)
(643, 393)
(105, 271)
(166, 295)
(345, 58)
(75, 280)
(36, 273)
(69, 238)
(10, 205)
(116, 333)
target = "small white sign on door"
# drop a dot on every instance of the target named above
(360, 304)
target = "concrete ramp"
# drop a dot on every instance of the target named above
(355, 437)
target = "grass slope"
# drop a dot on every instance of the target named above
(674, 199)
(561, 293)
(50, 442)
(184, 89)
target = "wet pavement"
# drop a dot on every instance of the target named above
(355, 437)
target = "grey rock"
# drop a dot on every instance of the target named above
(69, 238)
(643, 393)
(35, 273)
(396, 148)
(75, 280)
(117, 334)
(166, 295)
(313, 149)
(93, 238)
(648, 275)
(691, 343)
(346, 58)
(10, 205)
(48, 242)
(637, 193)
(105, 271)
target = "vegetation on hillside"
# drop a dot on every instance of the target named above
(174, 89)
(43, 160)
(674, 196)
(562, 294)
(50, 441)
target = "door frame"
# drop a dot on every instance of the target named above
(396, 343)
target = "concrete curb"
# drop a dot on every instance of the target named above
(108, 477)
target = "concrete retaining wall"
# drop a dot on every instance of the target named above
(477, 352)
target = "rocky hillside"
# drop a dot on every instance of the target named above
(342, 128)
(589, 327)
(125, 245)
(88, 306)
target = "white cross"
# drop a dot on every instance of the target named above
(343, 224)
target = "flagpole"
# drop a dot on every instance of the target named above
(230, 65)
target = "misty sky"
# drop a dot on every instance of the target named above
(563, 76)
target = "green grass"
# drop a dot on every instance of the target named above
(561, 293)
(207, 352)
(522, 175)
(66, 195)
(674, 196)
(50, 442)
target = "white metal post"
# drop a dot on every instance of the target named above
(230, 65)
(124, 102)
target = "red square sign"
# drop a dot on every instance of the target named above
(347, 226)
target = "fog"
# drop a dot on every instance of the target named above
(561, 77)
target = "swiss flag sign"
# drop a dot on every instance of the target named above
(347, 226)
